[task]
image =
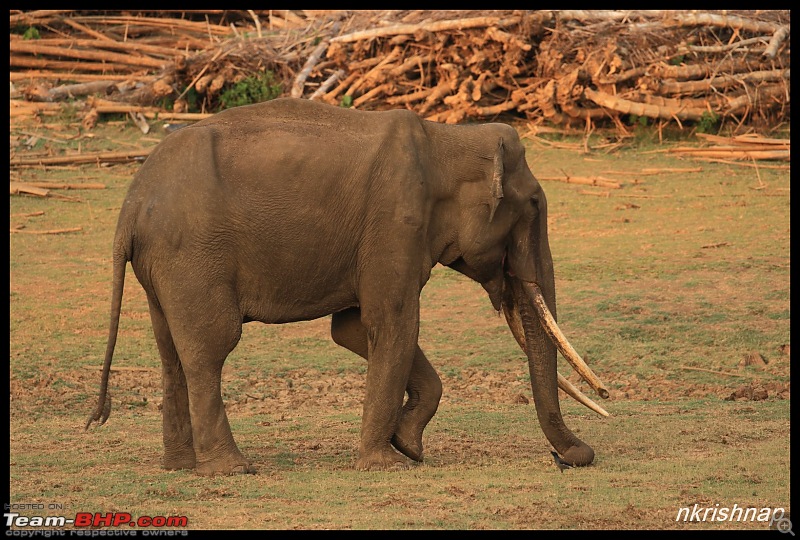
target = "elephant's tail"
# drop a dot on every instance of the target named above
(121, 258)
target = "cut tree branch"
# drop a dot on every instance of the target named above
(437, 26)
(297, 87)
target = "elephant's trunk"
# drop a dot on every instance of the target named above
(554, 332)
(515, 323)
(541, 353)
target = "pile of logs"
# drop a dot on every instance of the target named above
(580, 68)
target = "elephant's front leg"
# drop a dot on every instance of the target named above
(424, 387)
(392, 330)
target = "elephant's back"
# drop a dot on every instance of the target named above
(301, 116)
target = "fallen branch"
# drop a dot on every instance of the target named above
(777, 38)
(86, 30)
(69, 91)
(777, 155)
(722, 21)
(44, 63)
(325, 86)
(170, 24)
(89, 157)
(727, 47)
(299, 81)
(151, 112)
(58, 185)
(100, 56)
(437, 26)
(52, 231)
(746, 164)
(17, 188)
(722, 81)
(26, 108)
(744, 140)
(643, 109)
(75, 77)
(673, 170)
(584, 180)
(637, 196)
(595, 193)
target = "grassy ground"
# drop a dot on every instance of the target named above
(664, 286)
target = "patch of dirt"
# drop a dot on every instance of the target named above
(312, 388)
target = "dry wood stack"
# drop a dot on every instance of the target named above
(566, 67)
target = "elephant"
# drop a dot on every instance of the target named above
(291, 210)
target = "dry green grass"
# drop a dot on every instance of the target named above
(640, 294)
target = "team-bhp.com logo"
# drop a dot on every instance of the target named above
(94, 519)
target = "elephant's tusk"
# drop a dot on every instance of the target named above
(551, 327)
(514, 322)
(579, 396)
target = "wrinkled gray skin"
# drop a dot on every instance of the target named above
(291, 210)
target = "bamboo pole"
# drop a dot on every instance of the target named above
(778, 155)
(82, 54)
(44, 63)
(88, 157)
(744, 140)
(40, 16)
(59, 185)
(86, 30)
(65, 76)
(169, 24)
(149, 112)
(129, 46)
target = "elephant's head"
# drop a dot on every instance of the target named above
(502, 244)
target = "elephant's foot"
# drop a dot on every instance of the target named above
(178, 451)
(233, 463)
(180, 459)
(579, 455)
(408, 440)
(224, 469)
(381, 460)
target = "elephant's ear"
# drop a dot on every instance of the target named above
(497, 180)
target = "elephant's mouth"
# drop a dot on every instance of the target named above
(555, 334)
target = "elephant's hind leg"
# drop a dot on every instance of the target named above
(424, 390)
(424, 387)
(203, 338)
(177, 424)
